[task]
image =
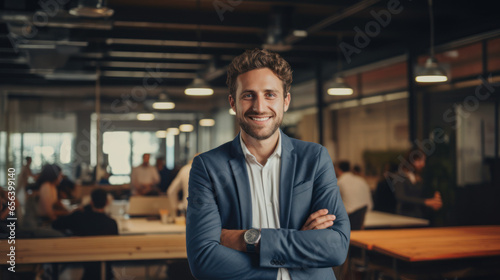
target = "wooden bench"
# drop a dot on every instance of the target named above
(96, 248)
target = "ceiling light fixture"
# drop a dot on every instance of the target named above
(199, 86)
(186, 127)
(145, 117)
(207, 122)
(173, 131)
(92, 8)
(161, 134)
(163, 103)
(339, 86)
(431, 72)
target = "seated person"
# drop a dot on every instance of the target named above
(384, 199)
(49, 206)
(91, 220)
(354, 190)
(87, 222)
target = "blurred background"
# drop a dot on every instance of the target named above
(79, 80)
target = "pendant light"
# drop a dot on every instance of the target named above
(198, 87)
(432, 72)
(145, 117)
(339, 86)
(92, 8)
(163, 102)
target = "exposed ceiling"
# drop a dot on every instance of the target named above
(155, 45)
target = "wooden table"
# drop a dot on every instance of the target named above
(147, 226)
(97, 248)
(376, 219)
(428, 245)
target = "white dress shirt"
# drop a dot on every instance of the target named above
(264, 189)
(355, 192)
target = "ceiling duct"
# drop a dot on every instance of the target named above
(92, 8)
(277, 30)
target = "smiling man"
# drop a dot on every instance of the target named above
(264, 206)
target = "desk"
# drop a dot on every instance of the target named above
(376, 219)
(431, 245)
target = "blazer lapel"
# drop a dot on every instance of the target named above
(238, 167)
(288, 162)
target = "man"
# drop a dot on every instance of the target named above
(91, 221)
(409, 188)
(264, 206)
(23, 180)
(164, 173)
(354, 189)
(144, 178)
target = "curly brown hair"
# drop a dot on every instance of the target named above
(256, 59)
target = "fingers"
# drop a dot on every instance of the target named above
(314, 215)
(322, 222)
(319, 220)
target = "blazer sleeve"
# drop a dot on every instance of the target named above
(208, 259)
(291, 248)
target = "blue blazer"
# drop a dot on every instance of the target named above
(219, 197)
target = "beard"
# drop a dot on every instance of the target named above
(254, 131)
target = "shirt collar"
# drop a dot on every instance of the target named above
(247, 153)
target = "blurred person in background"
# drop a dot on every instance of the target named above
(178, 185)
(22, 181)
(384, 199)
(89, 221)
(144, 178)
(354, 189)
(356, 170)
(164, 173)
(409, 188)
(49, 205)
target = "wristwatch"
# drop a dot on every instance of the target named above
(252, 238)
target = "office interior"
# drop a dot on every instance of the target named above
(74, 87)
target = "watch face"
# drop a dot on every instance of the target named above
(252, 236)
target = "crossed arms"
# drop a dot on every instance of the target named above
(217, 253)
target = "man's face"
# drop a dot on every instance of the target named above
(419, 164)
(145, 159)
(259, 103)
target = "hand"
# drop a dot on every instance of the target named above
(233, 238)
(435, 202)
(319, 220)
